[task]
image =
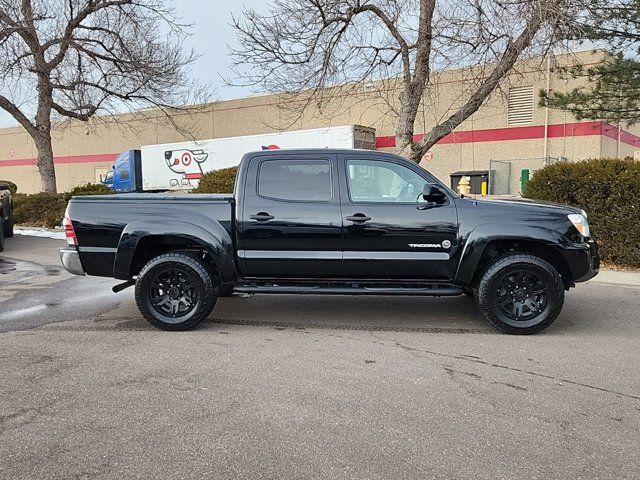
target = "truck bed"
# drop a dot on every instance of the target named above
(100, 220)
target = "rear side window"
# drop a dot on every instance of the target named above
(295, 180)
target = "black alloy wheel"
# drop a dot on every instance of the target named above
(173, 294)
(520, 294)
(176, 290)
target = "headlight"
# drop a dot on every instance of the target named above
(580, 222)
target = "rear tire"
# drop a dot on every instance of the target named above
(520, 294)
(8, 227)
(175, 291)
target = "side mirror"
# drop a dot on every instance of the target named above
(433, 193)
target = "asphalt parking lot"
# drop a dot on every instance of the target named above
(309, 387)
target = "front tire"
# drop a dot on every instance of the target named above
(520, 294)
(175, 291)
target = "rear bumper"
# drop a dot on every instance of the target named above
(70, 259)
(583, 260)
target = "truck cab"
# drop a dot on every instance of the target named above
(125, 174)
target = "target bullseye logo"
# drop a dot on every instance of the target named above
(186, 159)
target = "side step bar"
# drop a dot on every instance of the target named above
(428, 291)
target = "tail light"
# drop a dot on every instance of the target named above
(69, 232)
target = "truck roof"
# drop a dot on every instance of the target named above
(319, 151)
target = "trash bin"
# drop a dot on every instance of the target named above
(476, 178)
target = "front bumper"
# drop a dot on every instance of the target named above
(71, 260)
(583, 260)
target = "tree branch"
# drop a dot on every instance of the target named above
(13, 110)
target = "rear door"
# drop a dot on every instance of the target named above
(290, 222)
(389, 231)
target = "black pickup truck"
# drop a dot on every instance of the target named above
(332, 222)
(6, 213)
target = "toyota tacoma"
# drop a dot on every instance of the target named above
(332, 222)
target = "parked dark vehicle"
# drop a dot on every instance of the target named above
(6, 213)
(332, 222)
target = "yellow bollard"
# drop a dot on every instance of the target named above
(464, 187)
(484, 189)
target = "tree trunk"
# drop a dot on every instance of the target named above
(45, 161)
(414, 89)
(42, 134)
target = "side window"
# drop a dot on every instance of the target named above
(124, 174)
(295, 180)
(375, 181)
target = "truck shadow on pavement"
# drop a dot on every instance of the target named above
(451, 315)
(374, 313)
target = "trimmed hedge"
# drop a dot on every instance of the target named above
(47, 209)
(218, 181)
(609, 191)
(13, 188)
(39, 210)
(88, 189)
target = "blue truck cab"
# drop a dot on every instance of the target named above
(126, 173)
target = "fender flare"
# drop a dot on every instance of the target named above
(481, 236)
(212, 237)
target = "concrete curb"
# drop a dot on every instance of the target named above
(616, 277)
(40, 229)
(56, 234)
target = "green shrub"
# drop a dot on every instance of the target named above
(88, 189)
(609, 191)
(39, 209)
(218, 181)
(13, 188)
(47, 209)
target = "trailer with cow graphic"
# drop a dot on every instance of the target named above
(179, 166)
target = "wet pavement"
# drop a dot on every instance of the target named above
(309, 387)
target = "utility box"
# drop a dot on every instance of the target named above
(524, 178)
(476, 179)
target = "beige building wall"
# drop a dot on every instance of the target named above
(84, 151)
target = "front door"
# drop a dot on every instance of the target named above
(389, 230)
(291, 224)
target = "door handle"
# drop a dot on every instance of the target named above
(262, 217)
(358, 218)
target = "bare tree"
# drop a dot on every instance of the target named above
(316, 48)
(79, 58)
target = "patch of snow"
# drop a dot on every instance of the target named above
(57, 235)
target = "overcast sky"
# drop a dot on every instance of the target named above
(211, 35)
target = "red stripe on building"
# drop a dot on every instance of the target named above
(577, 129)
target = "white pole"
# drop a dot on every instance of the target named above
(546, 110)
